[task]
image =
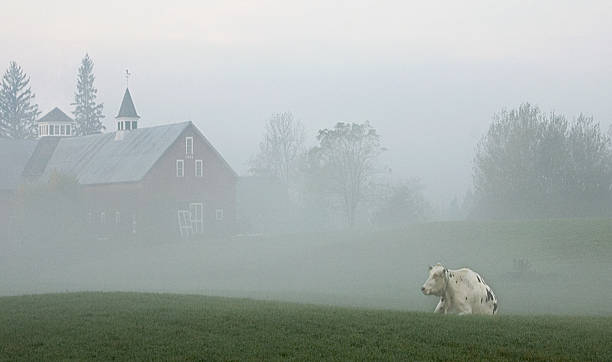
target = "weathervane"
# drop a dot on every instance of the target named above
(127, 78)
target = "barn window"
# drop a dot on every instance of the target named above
(102, 218)
(198, 168)
(180, 168)
(52, 129)
(68, 130)
(219, 214)
(127, 126)
(134, 125)
(189, 145)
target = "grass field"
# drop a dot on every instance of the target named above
(106, 326)
(570, 272)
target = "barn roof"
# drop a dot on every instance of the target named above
(56, 115)
(127, 108)
(113, 157)
(14, 154)
(40, 157)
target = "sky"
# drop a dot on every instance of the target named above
(427, 75)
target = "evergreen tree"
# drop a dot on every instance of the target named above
(17, 113)
(87, 113)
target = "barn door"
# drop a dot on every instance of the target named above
(197, 217)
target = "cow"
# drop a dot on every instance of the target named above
(461, 291)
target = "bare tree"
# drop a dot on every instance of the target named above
(345, 161)
(281, 148)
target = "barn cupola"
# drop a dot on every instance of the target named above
(127, 118)
(56, 124)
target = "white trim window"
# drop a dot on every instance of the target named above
(180, 168)
(189, 145)
(219, 214)
(199, 172)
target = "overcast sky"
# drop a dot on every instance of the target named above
(427, 75)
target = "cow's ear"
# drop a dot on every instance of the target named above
(430, 267)
(445, 270)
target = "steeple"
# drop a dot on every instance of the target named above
(127, 118)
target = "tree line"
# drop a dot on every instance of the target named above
(19, 112)
(529, 164)
(532, 164)
(339, 180)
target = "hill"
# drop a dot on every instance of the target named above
(105, 326)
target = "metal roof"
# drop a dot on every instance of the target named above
(122, 156)
(56, 115)
(40, 157)
(127, 108)
(14, 154)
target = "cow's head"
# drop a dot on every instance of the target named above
(436, 283)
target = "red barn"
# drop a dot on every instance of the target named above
(164, 180)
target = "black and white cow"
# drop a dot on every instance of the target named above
(461, 291)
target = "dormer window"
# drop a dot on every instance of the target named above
(189, 145)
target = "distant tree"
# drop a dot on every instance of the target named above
(403, 204)
(50, 210)
(589, 167)
(531, 164)
(87, 113)
(281, 149)
(345, 161)
(18, 114)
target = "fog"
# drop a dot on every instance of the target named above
(374, 270)
(429, 78)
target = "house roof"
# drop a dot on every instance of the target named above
(113, 157)
(56, 115)
(14, 154)
(127, 108)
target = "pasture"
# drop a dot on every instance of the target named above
(107, 326)
(535, 267)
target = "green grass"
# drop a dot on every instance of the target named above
(107, 326)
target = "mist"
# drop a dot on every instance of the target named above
(426, 82)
